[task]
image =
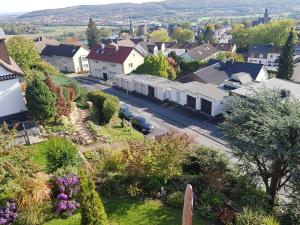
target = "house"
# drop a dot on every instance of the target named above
(287, 88)
(226, 47)
(205, 98)
(296, 75)
(203, 52)
(40, 43)
(11, 100)
(106, 61)
(181, 48)
(66, 58)
(267, 54)
(218, 72)
(262, 20)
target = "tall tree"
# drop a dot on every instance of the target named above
(264, 132)
(286, 59)
(157, 65)
(92, 209)
(209, 33)
(92, 34)
(40, 100)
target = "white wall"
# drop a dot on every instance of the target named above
(63, 64)
(4, 72)
(99, 68)
(262, 75)
(271, 58)
(257, 60)
(80, 62)
(11, 100)
(132, 62)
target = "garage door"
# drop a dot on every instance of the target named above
(191, 102)
(206, 106)
(151, 92)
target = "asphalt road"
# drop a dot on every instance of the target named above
(162, 124)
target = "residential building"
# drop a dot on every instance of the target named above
(67, 58)
(180, 48)
(218, 73)
(204, 98)
(267, 54)
(11, 100)
(40, 43)
(287, 88)
(106, 61)
(226, 47)
(262, 20)
(142, 30)
(296, 75)
(203, 52)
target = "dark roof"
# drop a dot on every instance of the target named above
(217, 72)
(257, 49)
(202, 52)
(63, 50)
(137, 40)
(224, 47)
(184, 45)
(109, 41)
(110, 53)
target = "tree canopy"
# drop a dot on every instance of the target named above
(229, 55)
(183, 35)
(264, 132)
(275, 32)
(209, 33)
(160, 36)
(157, 65)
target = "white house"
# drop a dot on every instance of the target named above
(205, 98)
(107, 61)
(12, 104)
(67, 58)
(266, 54)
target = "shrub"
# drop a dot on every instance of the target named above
(176, 199)
(249, 217)
(207, 201)
(8, 213)
(270, 220)
(45, 68)
(225, 214)
(34, 190)
(92, 209)
(68, 188)
(61, 153)
(35, 214)
(106, 104)
(134, 190)
(291, 215)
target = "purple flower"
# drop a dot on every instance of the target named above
(62, 196)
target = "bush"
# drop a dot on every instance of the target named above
(45, 68)
(207, 201)
(250, 217)
(292, 213)
(106, 104)
(35, 214)
(175, 200)
(225, 214)
(61, 153)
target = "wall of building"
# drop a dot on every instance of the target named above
(99, 68)
(263, 75)
(11, 99)
(132, 62)
(81, 63)
(63, 64)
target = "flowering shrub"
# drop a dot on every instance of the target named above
(8, 213)
(68, 188)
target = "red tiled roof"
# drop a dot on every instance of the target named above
(110, 53)
(3, 52)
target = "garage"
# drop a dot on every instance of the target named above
(206, 106)
(191, 102)
(151, 92)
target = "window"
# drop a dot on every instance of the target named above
(271, 56)
(261, 55)
(130, 65)
(252, 55)
(113, 65)
(251, 60)
(95, 61)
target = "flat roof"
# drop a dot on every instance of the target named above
(273, 84)
(211, 91)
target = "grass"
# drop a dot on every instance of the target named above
(116, 132)
(128, 212)
(39, 154)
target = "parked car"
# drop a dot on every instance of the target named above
(125, 113)
(142, 124)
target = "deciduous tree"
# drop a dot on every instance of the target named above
(183, 35)
(160, 36)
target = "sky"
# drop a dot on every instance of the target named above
(8, 6)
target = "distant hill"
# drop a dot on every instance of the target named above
(157, 9)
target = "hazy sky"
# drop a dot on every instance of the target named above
(30, 5)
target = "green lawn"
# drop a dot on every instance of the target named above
(131, 212)
(39, 154)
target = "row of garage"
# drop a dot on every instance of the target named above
(206, 98)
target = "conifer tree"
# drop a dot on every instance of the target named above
(40, 100)
(92, 33)
(286, 59)
(92, 209)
